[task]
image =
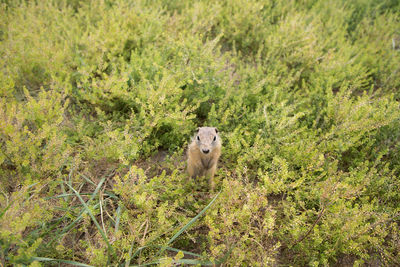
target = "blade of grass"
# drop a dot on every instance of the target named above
(66, 198)
(87, 179)
(63, 195)
(111, 194)
(32, 185)
(184, 252)
(117, 219)
(63, 187)
(128, 262)
(5, 210)
(167, 248)
(195, 262)
(70, 176)
(101, 212)
(192, 221)
(180, 261)
(94, 220)
(68, 227)
(52, 226)
(75, 263)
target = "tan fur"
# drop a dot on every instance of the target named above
(199, 163)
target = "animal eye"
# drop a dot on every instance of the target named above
(198, 138)
(215, 138)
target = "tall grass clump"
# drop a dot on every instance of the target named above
(99, 100)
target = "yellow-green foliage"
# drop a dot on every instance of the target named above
(99, 99)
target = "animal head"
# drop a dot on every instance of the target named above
(207, 139)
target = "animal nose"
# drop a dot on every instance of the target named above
(205, 151)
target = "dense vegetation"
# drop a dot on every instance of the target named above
(99, 99)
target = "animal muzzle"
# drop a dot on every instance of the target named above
(205, 150)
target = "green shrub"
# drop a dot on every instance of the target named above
(99, 99)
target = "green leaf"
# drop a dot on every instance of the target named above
(94, 220)
(117, 219)
(192, 221)
(75, 263)
(83, 211)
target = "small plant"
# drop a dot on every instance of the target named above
(99, 99)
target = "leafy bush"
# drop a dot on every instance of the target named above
(99, 99)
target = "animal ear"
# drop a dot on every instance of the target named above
(198, 129)
(216, 130)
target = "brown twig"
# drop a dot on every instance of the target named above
(311, 228)
(145, 231)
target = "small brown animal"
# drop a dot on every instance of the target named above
(203, 153)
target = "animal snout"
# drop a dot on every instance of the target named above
(205, 151)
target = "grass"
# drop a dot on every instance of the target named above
(99, 100)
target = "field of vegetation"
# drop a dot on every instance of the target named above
(99, 100)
